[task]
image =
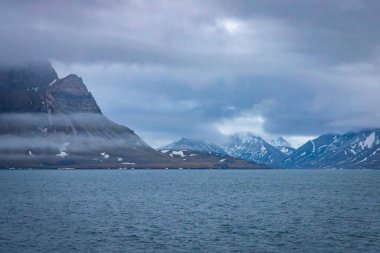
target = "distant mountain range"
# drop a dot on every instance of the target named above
(359, 150)
(52, 122)
(243, 146)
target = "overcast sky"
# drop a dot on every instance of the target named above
(206, 69)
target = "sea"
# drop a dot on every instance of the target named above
(190, 211)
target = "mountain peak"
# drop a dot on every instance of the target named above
(253, 148)
(194, 145)
(279, 141)
(71, 95)
(72, 84)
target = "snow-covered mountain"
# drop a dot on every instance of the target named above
(281, 144)
(349, 151)
(194, 145)
(253, 148)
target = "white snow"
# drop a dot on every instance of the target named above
(105, 155)
(374, 153)
(164, 151)
(119, 159)
(193, 155)
(180, 153)
(365, 159)
(370, 140)
(52, 82)
(62, 154)
(312, 143)
(129, 163)
(62, 151)
(222, 160)
(30, 153)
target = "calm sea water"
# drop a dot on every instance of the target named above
(189, 211)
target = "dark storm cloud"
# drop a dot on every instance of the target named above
(198, 68)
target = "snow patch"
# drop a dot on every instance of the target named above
(50, 84)
(370, 140)
(62, 154)
(365, 159)
(105, 155)
(62, 150)
(312, 143)
(180, 153)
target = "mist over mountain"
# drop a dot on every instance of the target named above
(50, 122)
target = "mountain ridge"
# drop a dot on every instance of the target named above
(194, 145)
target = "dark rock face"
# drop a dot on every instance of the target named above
(70, 95)
(31, 75)
(36, 88)
(21, 87)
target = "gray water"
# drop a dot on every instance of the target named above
(189, 211)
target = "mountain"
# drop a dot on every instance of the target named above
(281, 144)
(47, 121)
(353, 150)
(52, 122)
(203, 159)
(194, 145)
(253, 148)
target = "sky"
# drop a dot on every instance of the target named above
(208, 69)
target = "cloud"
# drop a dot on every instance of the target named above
(204, 68)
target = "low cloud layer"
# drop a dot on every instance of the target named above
(208, 68)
